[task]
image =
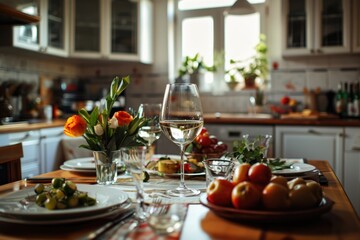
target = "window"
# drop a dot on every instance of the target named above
(203, 28)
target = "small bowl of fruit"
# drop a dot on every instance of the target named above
(205, 146)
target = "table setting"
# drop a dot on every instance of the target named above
(131, 193)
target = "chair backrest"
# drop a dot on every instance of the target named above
(10, 163)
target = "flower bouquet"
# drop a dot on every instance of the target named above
(106, 134)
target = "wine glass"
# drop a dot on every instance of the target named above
(151, 131)
(181, 120)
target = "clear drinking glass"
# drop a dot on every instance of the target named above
(134, 159)
(262, 141)
(181, 120)
(217, 168)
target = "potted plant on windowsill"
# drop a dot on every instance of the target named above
(251, 69)
(193, 68)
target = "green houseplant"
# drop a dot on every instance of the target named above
(193, 67)
(250, 69)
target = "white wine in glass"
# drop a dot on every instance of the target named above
(151, 131)
(181, 120)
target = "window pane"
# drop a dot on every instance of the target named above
(241, 36)
(198, 37)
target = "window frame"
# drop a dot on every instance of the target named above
(218, 16)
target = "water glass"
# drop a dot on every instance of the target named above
(106, 166)
(134, 159)
(166, 218)
(217, 168)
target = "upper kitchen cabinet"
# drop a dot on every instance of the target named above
(112, 29)
(49, 35)
(356, 30)
(315, 27)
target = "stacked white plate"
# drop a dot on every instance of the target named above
(82, 165)
(109, 202)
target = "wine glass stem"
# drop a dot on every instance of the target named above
(182, 178)
(139, 198)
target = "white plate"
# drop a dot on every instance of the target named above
(66, 168)
(106, 198)
(81, 163)
(126, 209)
(296, 168)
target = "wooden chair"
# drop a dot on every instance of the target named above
(10, 163)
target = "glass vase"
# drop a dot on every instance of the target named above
(106, 166)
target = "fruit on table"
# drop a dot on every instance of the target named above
(302, 197)
(276, 197)
(219, 192)
(245, 196)
(205, 143)
(260, 173)
(285, 100)
(273, 193)
(241, 173)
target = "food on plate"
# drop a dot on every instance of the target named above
(245, 195)
(292, 183)
(279, 180)
(219, 192)
(272, 193)
(276, 197)
(260, 173)
(61, 194)
(302, 197)
(167, 165)
(241, 173)
(205, 146)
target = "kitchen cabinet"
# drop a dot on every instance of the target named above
(315, 27)
(356, 27)
(352, 166)
(30, 163)
(316, 143)
(51, 151)
(50, 35)
(112, 29)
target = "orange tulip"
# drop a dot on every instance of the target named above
(123, 118)
(75, 126)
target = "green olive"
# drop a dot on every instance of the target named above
(61, 205)
(50, 203)
(40, 199)
(57, 182)
(69, 188)
(39, 188)
(73, 201)
(82, 197)
(90, 201)
(59, 194)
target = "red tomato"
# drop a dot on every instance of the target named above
(203, 131)
(204, 140)
(213, 139)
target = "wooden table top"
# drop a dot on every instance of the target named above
(340, 223)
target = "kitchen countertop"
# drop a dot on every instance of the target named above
(24, 126)
(210, 118)
(264, 119)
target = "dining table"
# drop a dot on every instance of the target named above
(340, 222)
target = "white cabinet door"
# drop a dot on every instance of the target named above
(315, 143)
(316, 27)
(116, 29)
(51, 34)
(51, 151)
(352, 166)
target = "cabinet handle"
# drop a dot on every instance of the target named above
(312, 50)
(356, 149)
(311, 131)
(319, 51)
(24, 137)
